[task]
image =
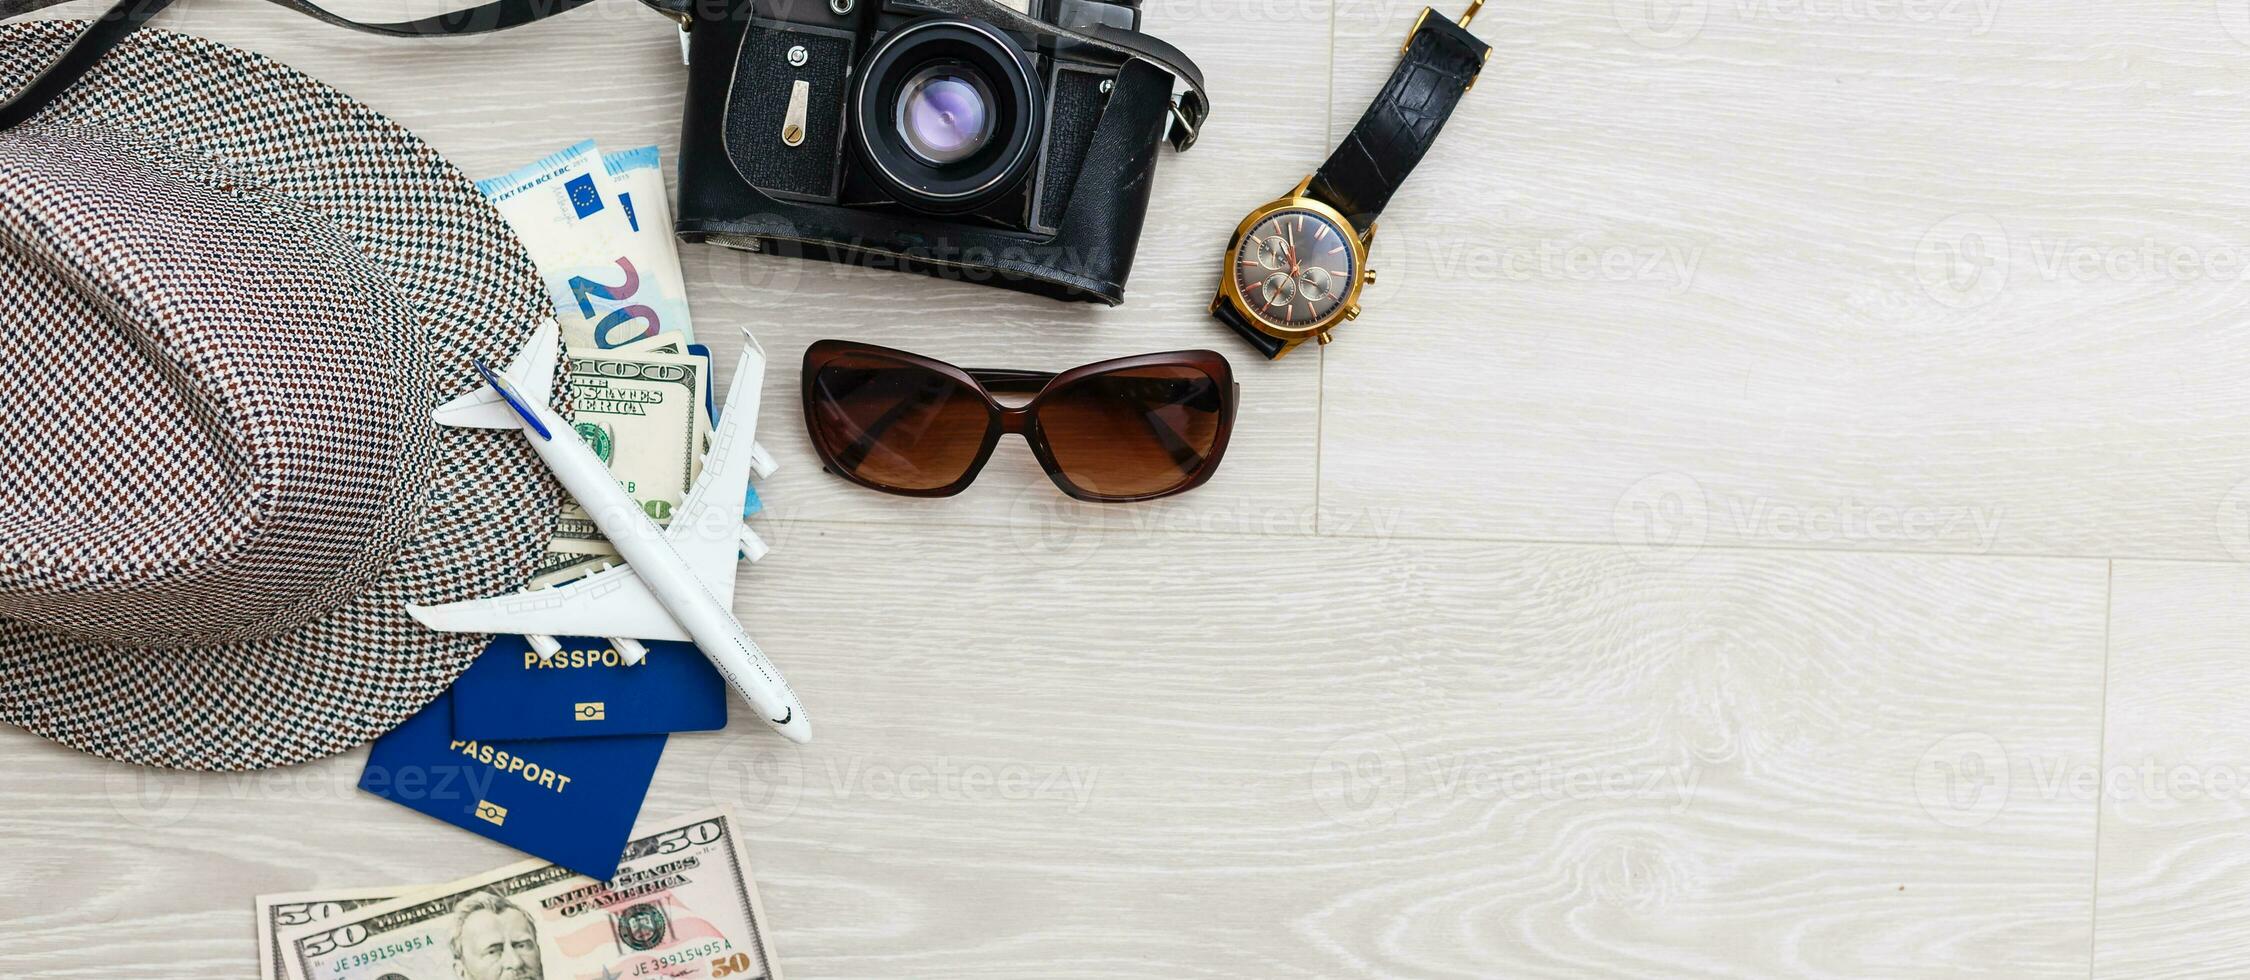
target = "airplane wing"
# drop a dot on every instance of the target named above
(613, 602)
(532, 370)
(706, 528)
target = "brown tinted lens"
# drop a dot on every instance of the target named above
(894, 423)
(1133, 432)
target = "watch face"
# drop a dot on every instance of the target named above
(1294, 268)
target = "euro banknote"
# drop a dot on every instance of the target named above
(638, 177)
(609, 284)
(571, 209)
(682, 905)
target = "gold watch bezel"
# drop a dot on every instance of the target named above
(1355, 238)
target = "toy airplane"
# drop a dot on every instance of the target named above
(670, 585)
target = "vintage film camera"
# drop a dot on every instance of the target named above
(1013, 146)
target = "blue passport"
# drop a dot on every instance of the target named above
(570, 801)
(586, 690)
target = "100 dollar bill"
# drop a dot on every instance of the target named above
(682, 904)
(573, 558)
(642, 413)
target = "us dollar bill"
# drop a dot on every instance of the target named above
(642, 413)
(558, 567)
(287, 912)
(677, 343)
(586, 556)
(681, 905)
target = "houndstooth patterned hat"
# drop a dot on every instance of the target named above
(233, 296)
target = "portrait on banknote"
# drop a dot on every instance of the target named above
(493, 939)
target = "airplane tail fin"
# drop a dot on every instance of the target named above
(533, 371)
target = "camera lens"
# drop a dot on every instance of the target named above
(945, 113)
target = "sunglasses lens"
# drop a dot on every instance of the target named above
(897, 424)
(1134, 432)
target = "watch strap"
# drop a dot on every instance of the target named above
(1266, 343)
(1441, 59)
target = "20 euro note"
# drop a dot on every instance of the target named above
(638, 177)
(609, 284)
(682, 904)
(641, 413)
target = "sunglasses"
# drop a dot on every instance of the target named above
(1134, 428)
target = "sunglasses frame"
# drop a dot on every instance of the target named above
(1023, 420)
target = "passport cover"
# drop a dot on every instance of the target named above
(570, 801)
(586, 689)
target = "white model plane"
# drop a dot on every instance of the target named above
(677, 582)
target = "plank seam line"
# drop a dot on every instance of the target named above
(2101, 758)
(1456, 539)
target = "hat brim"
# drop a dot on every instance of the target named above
(363, 668)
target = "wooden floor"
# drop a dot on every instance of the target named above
(1784, 514)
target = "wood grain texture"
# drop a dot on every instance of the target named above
(2175, 778)
(1427, 760)
(1961, 277)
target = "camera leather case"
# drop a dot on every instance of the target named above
(768, 162)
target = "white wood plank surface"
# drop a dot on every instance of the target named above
(2175, 778)
(1872, 276)
(1429, 760)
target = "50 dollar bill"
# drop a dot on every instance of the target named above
(682, 904)
(296, 911)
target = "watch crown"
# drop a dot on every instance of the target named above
(1351, 313)
(1325, 337)
(1369, 276)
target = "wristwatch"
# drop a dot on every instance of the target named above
(1298, 262)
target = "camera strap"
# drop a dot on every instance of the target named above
(112, 26)
(1189, 106)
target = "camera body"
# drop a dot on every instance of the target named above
(889, 133)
